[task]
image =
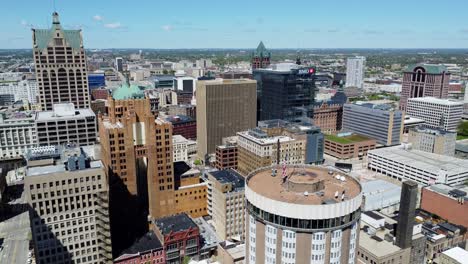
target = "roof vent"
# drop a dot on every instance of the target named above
(306, 193)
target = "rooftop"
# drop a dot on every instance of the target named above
(425, 161)
(429, 68)
(229, 176)
(458, 254)
(44, 36)
(304, 184)
(51, 115)
(349, 139)
(126, 91)
(433, 100)
(261, 138)
(228, 81)
(433, 131)
(146, 243)
(175, 223)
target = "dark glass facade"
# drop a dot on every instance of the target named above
(280, 92)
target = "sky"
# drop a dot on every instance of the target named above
(298, 24)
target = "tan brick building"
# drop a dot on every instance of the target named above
(328, 117)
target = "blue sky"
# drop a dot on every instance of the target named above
(242, 24)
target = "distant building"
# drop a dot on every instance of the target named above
(183, 125)
(17, 134)
(146, 249)
(226, 205)
(422, 80)
(69, 201)
(436, 113)
(235, 75)
(20, 90)
(180, 237)
(96, 80)
(355, 71)
(100, 93)
(379, 122)
(425, 168)
(461, 149)
(435, 141)
(446, 202)
(60, 62)
(184, 110)
(283, 88)
(119, 64)
(260, 57)
(224, 107)
(348, 145)
(99, 106)
(65, 124)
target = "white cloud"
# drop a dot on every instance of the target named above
(113, 25)
(98, 18)
(167, 27)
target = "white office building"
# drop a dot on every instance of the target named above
(433, 140)
(183, 148)
(21, 90)
(436, 113)
(355, 71)
(17, 134)
(402, 163)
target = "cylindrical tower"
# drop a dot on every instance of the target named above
(302, 214)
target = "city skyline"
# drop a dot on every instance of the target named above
(165, 25)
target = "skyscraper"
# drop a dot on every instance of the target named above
(422, 80)
(261, 57)
(60, 62)
(282, 89)
(224, 107)
(355, 71)
(119, 64)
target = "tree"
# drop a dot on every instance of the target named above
(463, 129)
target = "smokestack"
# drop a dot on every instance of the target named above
(404, 232)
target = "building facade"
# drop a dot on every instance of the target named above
(224, 107)
(436, 113)
(60, 62)
(184, 126)
(183, 148)
(302, 214)
(17, 134)
(69, 208)
(348, 146)
(355, 72)
(328, 117)
(260, 57)
(424, 80)
(21, 90)
(65, 124)
(283, 89)
(435, 141)
(381, 123)
(226, 203)
(227, 156)
(119, 64)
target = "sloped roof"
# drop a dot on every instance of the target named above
(44, 36)
(430, 68)
(261, 51)
(128, 92)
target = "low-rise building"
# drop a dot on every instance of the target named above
(402, 163)
(183, 148)
(348, 145)
(381, 195)
(179, 235)
(454, 255)
(184, 126)
(190, 191)
(65, 124)
(231, 253)
(227, 155)
(147, 249)
(433, 140)
(226, 203)
(17, 134)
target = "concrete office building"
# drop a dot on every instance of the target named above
(380, 122)
(69, 206)
(226, 203)
(278, 142)
(425, 168)
(224, 107)
(422, 80)
(302, 214)
(437, 113)
(355, 71)
(184, 149)
(283, 88)
(435, 141)
(60, 63)
(119, 64)
(17, 134)
(65, 124)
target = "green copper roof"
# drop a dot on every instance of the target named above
(261, 51)
(128, 92)
(430, 68)
(44, 36)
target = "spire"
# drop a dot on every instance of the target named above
(55, 17)
(261, 50)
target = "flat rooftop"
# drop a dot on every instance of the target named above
(229, 176)
(43, 170)
(264, 140)
(439, 101)
(51, 115)
(354, 138)
(229, 81)
(175, 223)
(301, 179)
(425, 161)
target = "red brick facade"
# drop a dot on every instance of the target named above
(445, 207)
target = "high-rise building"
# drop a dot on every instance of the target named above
(283, 88)
(437, 113)
(435, 141)
(17, 134)
(380, 122)
(424, 80)
(65, 124)
(406, 215)
(226, 203)
(60, 62)
(355, 71)
(21, 90)
(224, 107)
(119, 64)
(260, 57)
(68, 195)
(302, 214)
